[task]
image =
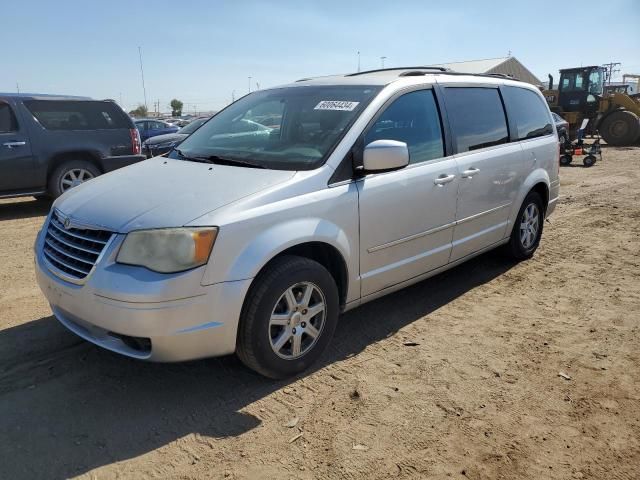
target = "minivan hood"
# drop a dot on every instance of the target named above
(162, 192)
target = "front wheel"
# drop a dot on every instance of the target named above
(527, 231)
(288, 318)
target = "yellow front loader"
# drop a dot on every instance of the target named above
(580, 95)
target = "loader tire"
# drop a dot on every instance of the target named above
(621, 128)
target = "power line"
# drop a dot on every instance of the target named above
(610, 70)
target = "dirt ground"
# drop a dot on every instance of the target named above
(456, 377)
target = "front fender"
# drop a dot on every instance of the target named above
(330, 216)
(279, 238)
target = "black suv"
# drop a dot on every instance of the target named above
(49, 144)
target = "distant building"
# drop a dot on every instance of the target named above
(505, 65)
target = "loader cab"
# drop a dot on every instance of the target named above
(580, 89)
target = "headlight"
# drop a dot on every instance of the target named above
(168, 250)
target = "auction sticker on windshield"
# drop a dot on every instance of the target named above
(336, 105)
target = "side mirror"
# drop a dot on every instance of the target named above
(385, 155)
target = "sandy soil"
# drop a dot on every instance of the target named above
(456, 377)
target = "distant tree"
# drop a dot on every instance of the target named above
(141, 111)
(176, 107)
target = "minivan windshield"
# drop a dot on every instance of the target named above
(290, 128)
(193, 126)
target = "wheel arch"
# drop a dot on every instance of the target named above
(326, 255)
(70, 155)
(537, 181)
(315, 238)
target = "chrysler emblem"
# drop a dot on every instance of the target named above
(67, 223)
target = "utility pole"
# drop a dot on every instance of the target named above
(249, 84)
(358, 61)
(382, 59)
(610, 70)
(18, 87)
(144, 90)
(257, 86)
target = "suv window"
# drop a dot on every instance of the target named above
(477, 117)
(8, 121)
(77, 114)
(529, 112)
(413, 118)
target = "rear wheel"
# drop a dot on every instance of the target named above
(527, 231)
(288, 318)
(620, 128)
(71, 174)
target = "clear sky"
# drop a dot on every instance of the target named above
(201, 51)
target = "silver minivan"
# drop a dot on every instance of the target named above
(295, 204)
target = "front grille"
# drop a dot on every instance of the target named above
(72, 250)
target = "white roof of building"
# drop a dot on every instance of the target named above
(473, 66)
(504, 65)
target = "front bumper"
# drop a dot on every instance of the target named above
(145, 315)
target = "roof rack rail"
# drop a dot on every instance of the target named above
(500, 75)
(487, 75)
(439, 69)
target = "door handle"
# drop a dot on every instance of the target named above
(14, 144)
(442, 179)
(470, 172)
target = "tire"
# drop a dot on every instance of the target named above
(589, 161)
(517, 248)
(66, 172)
(270, 349)
(565, 160)
(621, 128)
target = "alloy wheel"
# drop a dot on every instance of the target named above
(529, 225)
(297, 320)
(74, 177)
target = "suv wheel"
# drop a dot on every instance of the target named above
(288, 318)
(69, 175)
(527, 231)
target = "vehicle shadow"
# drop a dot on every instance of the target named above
(69, 407)
(24, 209)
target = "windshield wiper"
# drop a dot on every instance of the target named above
(221, 160)
(192, 159)
(231, 161)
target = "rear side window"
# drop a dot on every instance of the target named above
(77, 114)
(8, 121)
(477, 117)
(413, 118)
(529, 111)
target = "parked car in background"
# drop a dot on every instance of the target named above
(178, 122)
(150, 128)
(49, 143)
(255, 243)
(562, 127)
(154, 146)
